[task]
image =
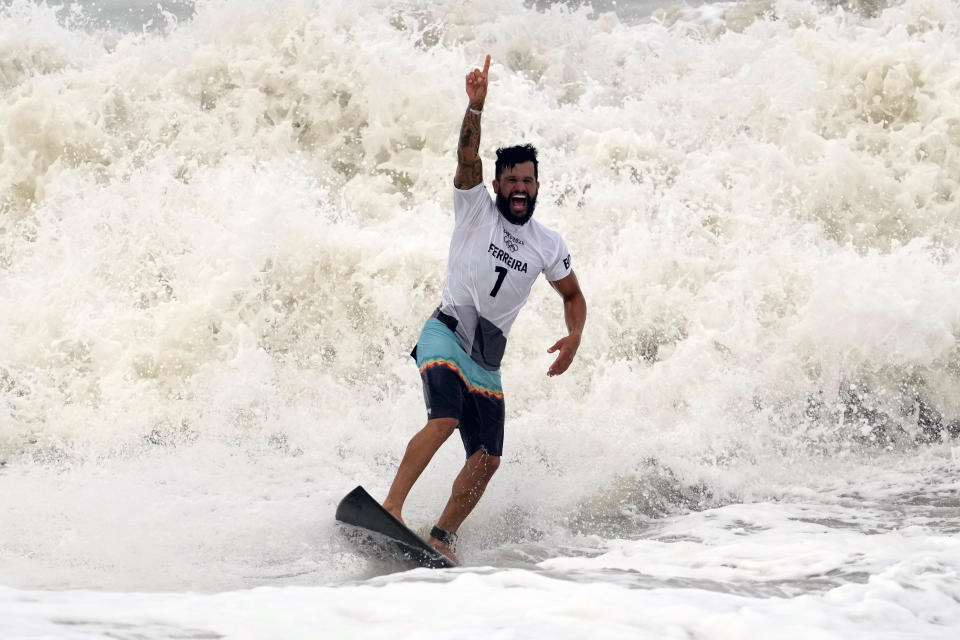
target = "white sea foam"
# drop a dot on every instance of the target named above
(220, 236)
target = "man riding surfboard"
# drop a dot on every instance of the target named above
(497, 251)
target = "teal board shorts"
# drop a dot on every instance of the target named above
(454, 386)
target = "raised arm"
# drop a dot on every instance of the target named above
(469, 167)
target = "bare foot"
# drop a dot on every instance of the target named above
(444, 549)
(394, 512)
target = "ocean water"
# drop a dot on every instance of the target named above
(223, 223)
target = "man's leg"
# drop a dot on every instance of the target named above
(418, 454)
(469, 485)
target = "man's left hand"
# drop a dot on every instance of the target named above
(568, 348)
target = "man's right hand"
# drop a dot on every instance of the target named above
(477, 85)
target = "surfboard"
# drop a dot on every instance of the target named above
(359, 510)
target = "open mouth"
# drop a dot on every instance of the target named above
(518, 202)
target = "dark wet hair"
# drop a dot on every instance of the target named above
(509, 157)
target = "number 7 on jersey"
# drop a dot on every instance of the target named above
(501, 274)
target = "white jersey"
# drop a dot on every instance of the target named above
(490, 270)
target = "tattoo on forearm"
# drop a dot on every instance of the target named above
(470, 133)
(469, 167)
(466, 135)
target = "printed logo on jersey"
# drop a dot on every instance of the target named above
(506, 258)
(566, 262)
(513, 243)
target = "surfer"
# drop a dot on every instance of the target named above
(497, 251)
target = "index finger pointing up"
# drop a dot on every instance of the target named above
(486, 66)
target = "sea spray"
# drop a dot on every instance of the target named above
(220, 239)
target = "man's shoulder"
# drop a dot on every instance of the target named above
(471, 205)
(554, 251)
(474, 194)
(474, 189)
(543, 232)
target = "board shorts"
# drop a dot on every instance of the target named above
(454, 386)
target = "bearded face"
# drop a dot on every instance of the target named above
(517, 193)
(516, 207)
